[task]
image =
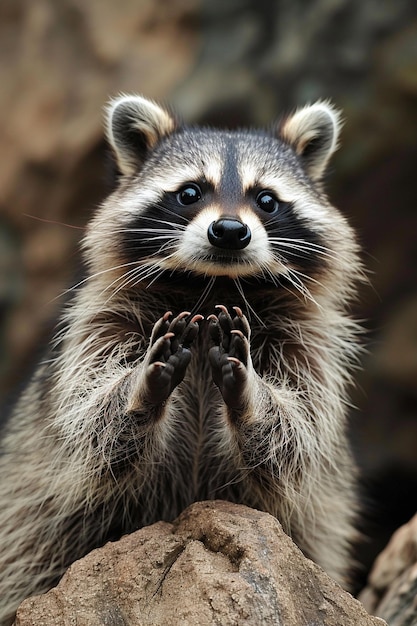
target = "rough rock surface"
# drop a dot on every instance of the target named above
(392, 587)
(219, 563)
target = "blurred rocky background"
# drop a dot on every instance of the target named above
(227, 63)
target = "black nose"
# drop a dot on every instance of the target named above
(229, 233)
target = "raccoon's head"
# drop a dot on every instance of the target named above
(245, 205)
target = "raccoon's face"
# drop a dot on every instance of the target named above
(212, 203)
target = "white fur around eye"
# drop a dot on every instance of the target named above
(259, 247)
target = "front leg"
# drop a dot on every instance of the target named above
(293, 455)
(166, 360)
(230, 357)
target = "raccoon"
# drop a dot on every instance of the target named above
(206, 355)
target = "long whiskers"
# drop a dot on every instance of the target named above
(130, 279)
(114, 268)
(146, 270)
(250, 309)
(300, 286)
(202, 299)
(165, 209)
(297, 246)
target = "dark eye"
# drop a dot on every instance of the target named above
(267, 201)
(189, 194)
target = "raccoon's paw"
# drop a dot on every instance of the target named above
(230, 356)
(169, 355)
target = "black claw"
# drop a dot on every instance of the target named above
(214, 330)
(191, 331)
(225, 320)
(239, 347)
(179, 323)
(161, 327)
(241, 323)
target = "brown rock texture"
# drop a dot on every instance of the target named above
(392, 587)
(218, 563)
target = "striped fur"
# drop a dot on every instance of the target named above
(87, 456)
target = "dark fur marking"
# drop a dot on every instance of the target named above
(137, 241)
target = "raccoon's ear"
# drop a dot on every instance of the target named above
(134, 126)
(313, 132)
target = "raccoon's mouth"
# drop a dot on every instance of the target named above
(205, 260)
(225, 259)
(227, 264)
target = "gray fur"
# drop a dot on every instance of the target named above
(89, 454)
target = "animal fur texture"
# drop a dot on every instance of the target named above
(207, 354)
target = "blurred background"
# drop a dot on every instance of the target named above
(228, 63)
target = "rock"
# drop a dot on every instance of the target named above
(218, 563)
(392, 588)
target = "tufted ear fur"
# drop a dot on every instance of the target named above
(313, 132)
(134, 126)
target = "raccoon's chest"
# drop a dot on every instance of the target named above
(198, 396)
(202, 428)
